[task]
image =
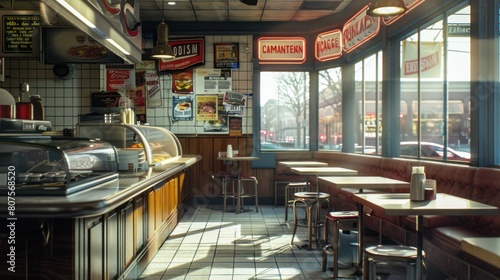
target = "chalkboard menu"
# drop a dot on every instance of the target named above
(18, 32)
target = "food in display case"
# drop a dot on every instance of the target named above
(46, 165)
(153, 146)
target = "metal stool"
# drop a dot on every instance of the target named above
(311, 201)
(241, 195)
(389, 254)
(340, 220)
(290, 190)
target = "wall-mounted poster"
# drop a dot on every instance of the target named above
(206, 107)
(182, 108)
(182, 82)
(235, 125)
(211, 81)
(119, 77)
(226, 55)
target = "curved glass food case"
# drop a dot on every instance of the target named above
(139, 147)
(44, 165)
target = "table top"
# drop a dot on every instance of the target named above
(238, 158)
(484, 248)
(327, 170)
(362, 182)
(302, 163)
(399, 204)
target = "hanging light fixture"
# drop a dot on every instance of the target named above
(383, 8)
(162, 50)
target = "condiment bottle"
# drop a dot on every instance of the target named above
(229, 152)
(417, 189)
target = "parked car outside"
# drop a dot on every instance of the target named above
(432, 150)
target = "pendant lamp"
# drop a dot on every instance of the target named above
(162, 50)
(383, 8)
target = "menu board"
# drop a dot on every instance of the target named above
(18, 33)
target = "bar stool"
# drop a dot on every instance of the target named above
(235, 195)
(340, 220)
(311, 201)
(389, 254)
(290, 190)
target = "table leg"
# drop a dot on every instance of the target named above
(309, 209)
(238, 197)
(420, 246)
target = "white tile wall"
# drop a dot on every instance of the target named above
(64, 100)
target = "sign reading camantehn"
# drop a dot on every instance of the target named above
(18, 31)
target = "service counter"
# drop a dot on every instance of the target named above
(111, 231)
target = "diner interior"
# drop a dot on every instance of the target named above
(302, 139)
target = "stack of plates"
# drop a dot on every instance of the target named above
(132, 160)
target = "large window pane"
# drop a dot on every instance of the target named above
(330, 109)
(435, 90)
(284, 108)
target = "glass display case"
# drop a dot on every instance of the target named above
(139, 147)
(45, 165)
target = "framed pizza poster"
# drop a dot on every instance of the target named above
(226, 55)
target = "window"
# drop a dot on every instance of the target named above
(284, 109)
(368, 77)
(330, 109)
(435, 88)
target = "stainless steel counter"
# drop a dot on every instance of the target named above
(98, 200)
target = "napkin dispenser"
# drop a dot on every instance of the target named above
(417, 188)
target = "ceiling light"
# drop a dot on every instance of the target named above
(162, 50)
(249, 2)
(383, 8)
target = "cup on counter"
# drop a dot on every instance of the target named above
(429, 189)
(7, 111)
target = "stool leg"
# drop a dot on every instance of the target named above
(323, 254)
(295, 221)
(336, 237)
(365, 267)
(372, 270)
(309, 209)
(256, 196)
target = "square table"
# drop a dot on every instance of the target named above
(399, 204)
(238, 160)
(323, 171)
(288, 165)
(360, 183)
(483, 248)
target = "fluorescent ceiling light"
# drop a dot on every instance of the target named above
(117, 46)
(76, 13)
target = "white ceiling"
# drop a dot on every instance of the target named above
(220, 10)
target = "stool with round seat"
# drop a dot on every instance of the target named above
(406, 255)
(340, 221)
(290, 190)
(311, 201)
(241, 195)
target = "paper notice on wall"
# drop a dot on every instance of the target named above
(209, 81)
(235, 125)
(153, 89)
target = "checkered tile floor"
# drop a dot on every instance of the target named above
(211, 244)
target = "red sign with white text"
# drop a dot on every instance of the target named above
(359, 29)
(286, 50)
(328, 45)
(118, 77)
(188, 52)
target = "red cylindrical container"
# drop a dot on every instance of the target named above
(24, 111)
(7, 111)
